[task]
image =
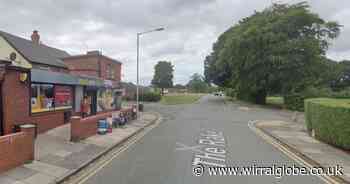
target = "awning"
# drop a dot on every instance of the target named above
(43, 76)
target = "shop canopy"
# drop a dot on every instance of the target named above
(43, 76)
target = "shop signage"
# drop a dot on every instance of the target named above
(63, 95)
(88, 82)
(108, 83)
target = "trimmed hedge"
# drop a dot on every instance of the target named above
(330, 120)
(294, 102)
(150, 97)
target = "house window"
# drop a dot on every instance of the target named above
(110, 72)
(48, 97)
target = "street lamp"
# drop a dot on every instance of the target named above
(138, 58)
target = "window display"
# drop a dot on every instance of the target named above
(105, 100)
(47, 97)
(63, 96)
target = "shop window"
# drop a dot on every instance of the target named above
(105, 100)
(63, 96)
(47, 97)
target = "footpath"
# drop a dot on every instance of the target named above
(56, 158)
(294, 136)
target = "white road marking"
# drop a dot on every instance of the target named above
(287, 152)
(183, 147)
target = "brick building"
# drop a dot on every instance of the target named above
(44, 85)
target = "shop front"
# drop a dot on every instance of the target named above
(48, 99)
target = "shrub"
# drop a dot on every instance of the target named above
(294, 101)
(330, 120)
(150, 97)
(230, 92)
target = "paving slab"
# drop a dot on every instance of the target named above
(20, 173)
(294, 135)
(56, 157)
(40, 178)
(4, 179)
(47, 169)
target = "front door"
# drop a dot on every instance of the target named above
(92, 95)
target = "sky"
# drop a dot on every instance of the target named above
(191, 27)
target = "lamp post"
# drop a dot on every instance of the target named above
(138, 60)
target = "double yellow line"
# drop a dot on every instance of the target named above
(111, 156)
(288, 152)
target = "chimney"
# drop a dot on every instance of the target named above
(35, 37)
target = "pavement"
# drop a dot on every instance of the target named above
(56, 157)
(212, 132)
(295, 136)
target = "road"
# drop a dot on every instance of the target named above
(211, 132)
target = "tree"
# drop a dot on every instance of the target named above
(163, 75)
(197, 84)
(277, 50)
(341, 76)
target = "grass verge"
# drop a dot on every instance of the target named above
(172, 99)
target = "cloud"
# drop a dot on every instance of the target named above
(111, 26)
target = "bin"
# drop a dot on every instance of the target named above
(140, 107)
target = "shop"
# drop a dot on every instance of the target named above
(65, 94)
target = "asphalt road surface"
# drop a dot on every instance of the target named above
(210, 132)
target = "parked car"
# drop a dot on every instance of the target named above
(218, 93)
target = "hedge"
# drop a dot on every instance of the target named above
(330, 120)
(150, 97)
(294, 102)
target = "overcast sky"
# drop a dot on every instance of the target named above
(111, 26)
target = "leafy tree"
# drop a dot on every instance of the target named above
(277, 50)
(341, 76)
(163, 75)
(197, 84)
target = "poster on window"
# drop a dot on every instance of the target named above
(105, 100)
(63, 96)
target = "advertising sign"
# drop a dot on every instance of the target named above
(63, 95)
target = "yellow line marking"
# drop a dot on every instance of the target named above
(95, 169)
(287, 152)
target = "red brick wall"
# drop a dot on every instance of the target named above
(83, 65)
(87, 127)
(16, 102)
(15, 98)
(105, 63)
(48, 120)
(93, 65)
(15, 150)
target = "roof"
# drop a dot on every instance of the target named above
(43, 76)
(35, 53)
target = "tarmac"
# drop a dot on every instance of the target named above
(56, 158)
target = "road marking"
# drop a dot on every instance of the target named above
(214, 152)
(183, 147)
(287, 152)
(96, 168)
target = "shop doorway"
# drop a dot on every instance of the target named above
(92, 96)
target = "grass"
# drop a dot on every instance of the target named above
(174, 99)
(331, 102)
(275, 100)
